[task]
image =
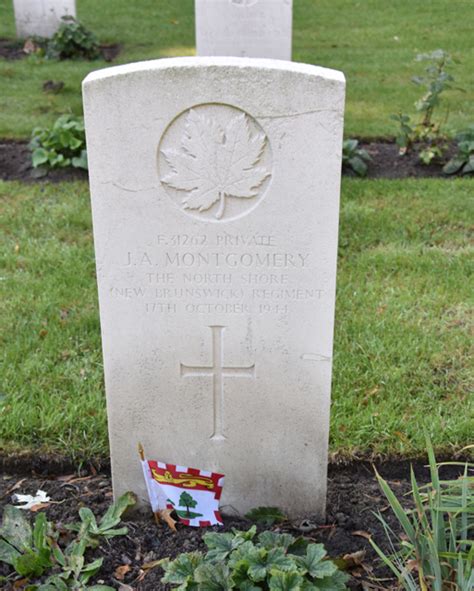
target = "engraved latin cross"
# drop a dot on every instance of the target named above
(218, 371)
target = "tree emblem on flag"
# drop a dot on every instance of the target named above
(186, 500)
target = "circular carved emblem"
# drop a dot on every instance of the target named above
(214, 161)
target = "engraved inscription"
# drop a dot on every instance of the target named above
(218, 371)
(243, 2)
(225, 273)
(214, 161)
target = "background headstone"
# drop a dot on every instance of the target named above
(244, 28)
(41, 17)
(215, 197)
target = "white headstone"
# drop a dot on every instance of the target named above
(244, 28)
(41, 17)
(215, 197)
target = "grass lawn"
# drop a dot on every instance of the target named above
(372, 41)
(404, 321)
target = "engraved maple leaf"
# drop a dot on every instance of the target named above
(216, 162)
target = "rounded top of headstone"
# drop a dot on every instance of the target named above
(233, 63)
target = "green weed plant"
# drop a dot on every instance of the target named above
(436, 81)
(463, 161)
(249, 562)
(40, 551)
(60, 146)
(436, 552)
(355, 158)
(73, 40)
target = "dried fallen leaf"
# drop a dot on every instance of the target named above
(39, 506)
(351, 561)
(66, 477)
(165, 515)
(354, 558)
(30, 46)
(142, 574)
(69, 480)
(16, 486)
(357, 572)
(153, 564)
(121, 571)
(362, 534)
(412, 565)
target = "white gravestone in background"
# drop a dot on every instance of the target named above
(244, 28)
(215, 197)
(41, 17)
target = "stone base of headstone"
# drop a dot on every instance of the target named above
(41, 17)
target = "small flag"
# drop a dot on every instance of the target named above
(192, 494)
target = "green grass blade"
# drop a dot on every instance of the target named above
(397, 509)
(433, 466)
(464, 507)
(435, 566)
(385, 559)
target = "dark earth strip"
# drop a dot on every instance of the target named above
(387, 163)
(13, 50)
(15, 164)
(353, 497)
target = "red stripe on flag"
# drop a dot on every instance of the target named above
(204, 524)
(218, 489)
(192, 472)
(218, 517)
(184, 521)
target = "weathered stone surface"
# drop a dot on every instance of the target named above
(215, 195)
(41, 17)
(244, 28)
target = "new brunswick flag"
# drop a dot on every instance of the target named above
(193, 494)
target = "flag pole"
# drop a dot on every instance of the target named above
(141, 453)
(163, 514)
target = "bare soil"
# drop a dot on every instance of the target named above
(13, 50)
(387, 163)
(15, 164)
(353, 497)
